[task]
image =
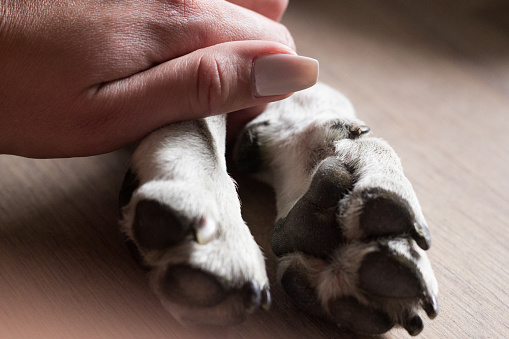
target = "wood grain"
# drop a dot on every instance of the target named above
(431, 77)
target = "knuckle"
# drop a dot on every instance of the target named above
(212, 83)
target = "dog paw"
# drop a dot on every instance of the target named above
(203, 263)
(354, 251)
(350, 235)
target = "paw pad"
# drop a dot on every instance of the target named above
(156, 226)
(385, 275)
(311, 226)
(385, 213)
(189, 286)
(297, 286)
(349, 313)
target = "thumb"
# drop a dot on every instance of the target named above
(219, 79)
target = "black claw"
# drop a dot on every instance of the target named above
(266, 298)
(252, 296)
(356, 131)
(421, 236)
(414, 325)
(430, 305)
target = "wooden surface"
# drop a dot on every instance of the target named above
(431, 77)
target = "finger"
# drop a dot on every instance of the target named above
(207, 23)
(272, 9)
(216, 80)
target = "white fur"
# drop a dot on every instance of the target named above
(183, 165)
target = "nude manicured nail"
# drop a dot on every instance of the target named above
(279, 74)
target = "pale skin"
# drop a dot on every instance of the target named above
(87, 77)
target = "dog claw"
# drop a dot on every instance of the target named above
(252, 296)
(430, 305)
(357, 131)
(266, 298)
(205, 230)
(421, 235)
(255, 298)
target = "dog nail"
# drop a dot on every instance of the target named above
(266, 298)
(421, 236)
(279, 74)
(430, 305)
(252, 296)
(205, 230)
(357, 131)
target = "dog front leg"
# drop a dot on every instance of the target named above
(181, 216)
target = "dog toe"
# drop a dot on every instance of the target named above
(385, 213)
(157, 226)
(384, 274)
(297, 285)
(186, 285)
(349, 313)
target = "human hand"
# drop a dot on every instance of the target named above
(87, 76)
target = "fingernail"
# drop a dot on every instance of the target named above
(279, 74)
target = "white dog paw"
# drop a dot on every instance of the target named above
(203, 263)
(354, 254)
(350, 235)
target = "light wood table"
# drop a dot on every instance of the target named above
(432, 78)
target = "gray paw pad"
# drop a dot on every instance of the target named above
(297, 286)
(348, 312)
(189, 286)
(195, 288)
(311, 226)
(157, 226)
(331, 182)
(385, 213)
(385, 275)
(413, 325)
